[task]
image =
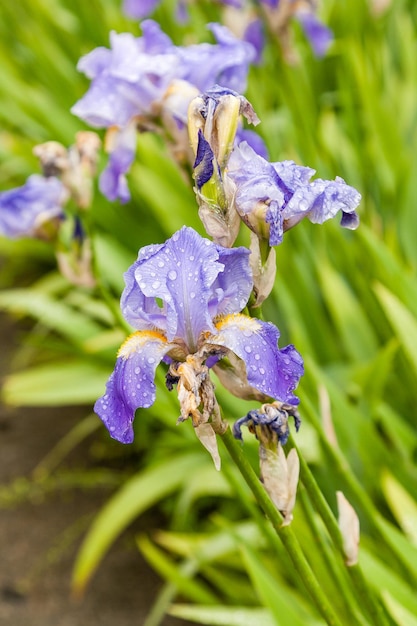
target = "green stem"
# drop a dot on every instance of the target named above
(374, 519)
(285, 533)
(333, 564)
(365, 593)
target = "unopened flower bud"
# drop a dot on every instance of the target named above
(349, 529)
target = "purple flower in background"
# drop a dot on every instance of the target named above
(28, 211)
(273, 197)
(138, 9)
(185, 298)
(319, 35)
(131, 78)
(254, 140)
(132, 83)
(122, 150)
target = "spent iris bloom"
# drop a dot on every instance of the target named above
(33, 210)
(273, 197)
(185, 298)
(279, 473)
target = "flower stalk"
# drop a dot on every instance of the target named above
(285, 533)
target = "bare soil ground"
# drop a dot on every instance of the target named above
(37, 544)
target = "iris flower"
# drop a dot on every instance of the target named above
(185, 298)
(33, 209)
(271, 198)
(132, 83)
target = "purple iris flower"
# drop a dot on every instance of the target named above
(138, 9)
(273, 197)
(319, 35)
(25, 211)
(132, 76)
(254, 140)
(131, 81)
(185, 297)
(113, 183)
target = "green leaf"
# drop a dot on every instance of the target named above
(56, 384)
(138, 494)
(385, 579)
(176, 574)
(222, 615)
(273, 594)
(403, 322)
(401, 615)
(53, 314)
(354, 328)
(402, 505)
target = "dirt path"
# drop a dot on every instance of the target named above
(38, 538)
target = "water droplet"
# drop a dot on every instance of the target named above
(155, 284)
(257, 357)
(175, 236)
(253, 368)
(172, 274)
(137, 370)
(151, 360)
(247, 333)
(112, 429)
(142, 285)
(161, 264)
(138, 276)
(248, 349)
(192, 294)
(192, 257)
(262, 371)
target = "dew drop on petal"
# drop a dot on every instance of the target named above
(137, 370)
(257, 357)
(192, 294)
(151, 360)
(261, 370)
(248, 349)
(155, 284)
(172, 274)
(247, 333)
(161, 264)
